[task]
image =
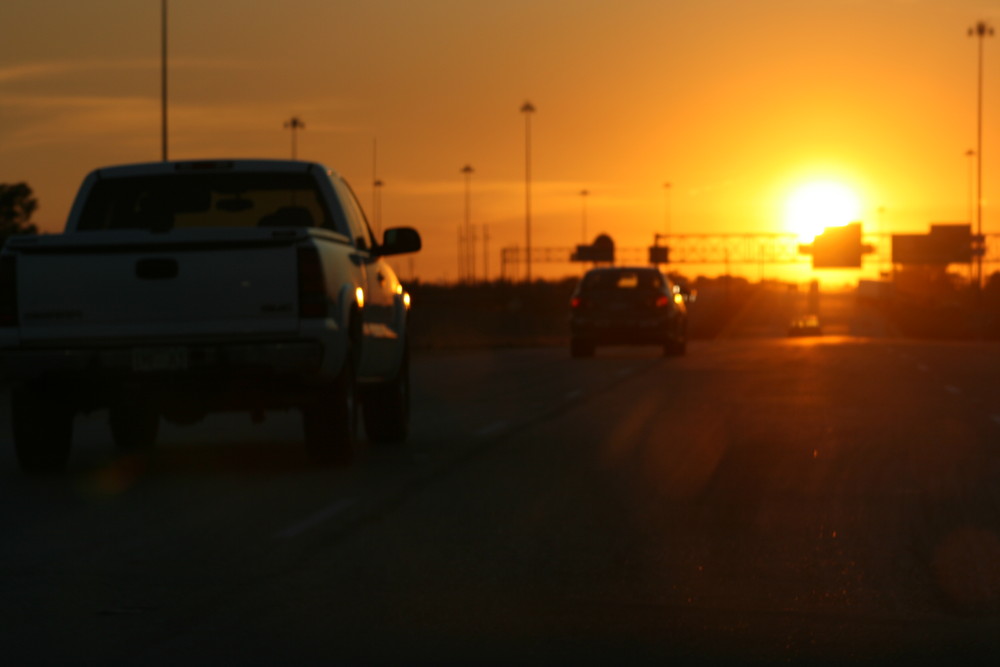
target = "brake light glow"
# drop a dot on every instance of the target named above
(312, 286)
(662, 301)
(576, 302)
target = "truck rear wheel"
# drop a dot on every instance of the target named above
(134, 425)
(330, 423)
(387, 407)
(42, 427)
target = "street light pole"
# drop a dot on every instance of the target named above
(486, 253)
(378, 208)
(666, 226)
(163, 78)
(972, 179)
(980, 30)
(883, 233)
(294, 123)
(527, 109)
(470, 243)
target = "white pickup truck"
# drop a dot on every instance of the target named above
(183, 288)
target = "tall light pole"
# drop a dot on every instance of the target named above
(294, 123)
(486, 253)
(666, 219)
(470, 243)
(980, 30)
(527, 109)
(374, 175)
(583, 197)
(461, 254)
(972, 179)
(163, 78)
(378, 208)
(883, 232)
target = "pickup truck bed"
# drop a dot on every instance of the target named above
(182, 288)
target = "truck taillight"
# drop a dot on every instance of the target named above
(8, 291)
(312, 285)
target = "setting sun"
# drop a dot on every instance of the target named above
(818, 205)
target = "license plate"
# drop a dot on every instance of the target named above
(146, 360)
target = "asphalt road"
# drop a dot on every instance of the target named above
(761, 499)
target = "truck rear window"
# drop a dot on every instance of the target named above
(205, 200)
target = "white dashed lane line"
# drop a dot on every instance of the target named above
(952, 389)
(315, 519)
(491, 429)
(923, 368)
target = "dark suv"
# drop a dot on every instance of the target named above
(627, 306)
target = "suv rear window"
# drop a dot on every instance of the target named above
(622, 280)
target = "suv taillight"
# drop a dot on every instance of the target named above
(312, 286)
(662, 301)
(576, 302)
(8, 291)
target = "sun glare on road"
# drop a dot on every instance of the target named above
(818, 205)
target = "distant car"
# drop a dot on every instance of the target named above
(627, 306)
(807, 325)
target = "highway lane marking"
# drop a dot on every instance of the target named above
(491, 429)
(312, 520)
(952, 389)
(622, 372)
(923, 368)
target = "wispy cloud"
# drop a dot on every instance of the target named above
(484, 186)
(70, 102)
(30, 72)
(58, 119)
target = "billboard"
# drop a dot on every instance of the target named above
(946, 244)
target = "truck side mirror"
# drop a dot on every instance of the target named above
(399, 240)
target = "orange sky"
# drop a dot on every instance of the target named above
(733, 102)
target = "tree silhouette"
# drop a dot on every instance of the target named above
(16, 206)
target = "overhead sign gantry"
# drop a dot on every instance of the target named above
(837, 248)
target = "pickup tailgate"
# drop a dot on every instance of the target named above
(139, 285)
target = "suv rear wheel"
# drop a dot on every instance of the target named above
(674, 348)
(581, 347)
